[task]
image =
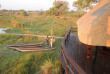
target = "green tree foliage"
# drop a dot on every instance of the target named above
(53, 11)
(41, 12)
(22, 12)
(59, 8)
(4, 10)
(84, 4)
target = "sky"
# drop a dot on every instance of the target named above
(30, 4)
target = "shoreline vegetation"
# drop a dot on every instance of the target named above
(41, 25)
(14, 62)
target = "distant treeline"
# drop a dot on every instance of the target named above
(60, 8)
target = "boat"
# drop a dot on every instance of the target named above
(30, 47)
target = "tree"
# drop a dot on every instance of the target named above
(53, 11)
(22, 12)
(84, 4)
(62, 6)
(41, 12)
(59, 8)
(4, 10)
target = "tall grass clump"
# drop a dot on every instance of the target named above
(50, 67)
(24, 65)
(47, 67)
(16, 23)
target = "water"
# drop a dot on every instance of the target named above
(2, 30)
(27, 28)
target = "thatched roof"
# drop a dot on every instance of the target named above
(94, 26)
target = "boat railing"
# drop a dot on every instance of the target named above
(69, 61)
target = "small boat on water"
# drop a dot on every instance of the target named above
(31, 47)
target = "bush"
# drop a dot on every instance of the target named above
(47, 67)
(22, 12)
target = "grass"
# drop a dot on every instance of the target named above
(13, 62)
(47, 67)
(24, 63)
(41, 25)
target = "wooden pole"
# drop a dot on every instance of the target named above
(94, 60)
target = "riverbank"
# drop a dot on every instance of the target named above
(2, 30)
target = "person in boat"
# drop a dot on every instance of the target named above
(52, 41)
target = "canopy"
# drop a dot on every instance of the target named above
(94, 26)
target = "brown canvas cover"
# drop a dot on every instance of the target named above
(94, 26)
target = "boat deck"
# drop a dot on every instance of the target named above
(78, 52)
